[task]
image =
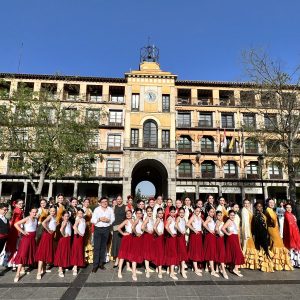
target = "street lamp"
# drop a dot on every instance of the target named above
(261, 164)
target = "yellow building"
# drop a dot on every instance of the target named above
(185, 137)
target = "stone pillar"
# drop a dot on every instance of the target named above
(0, 188)
(60, 90)
(82, 92)
(105, 93)
(243, 193)
(100, 189)
(25, 187)
(50, 189)
(197, 191)
(266, 192)
(216, 97)
(75, 191)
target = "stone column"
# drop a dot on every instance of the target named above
(82, 92)
(0, 188)
(75, 191)
(100, 189)
(25, 187)
(50, 189)
(243, 193)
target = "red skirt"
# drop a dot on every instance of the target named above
(195, 251)
(234, 254)
(221, 252)
(182, 253)
(171, 251)
(136, 249)
(210, 247)
(77, 256)
(63, 252)
(26, 250)
(125, 247)
(45, 252)
(148, 250)
(159, 250)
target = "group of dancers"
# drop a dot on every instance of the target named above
(208, 236)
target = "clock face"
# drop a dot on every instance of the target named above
(150, 96)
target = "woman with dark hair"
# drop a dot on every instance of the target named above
(291, 235)
(280, 210)
(88, 247)
(42, 214)
(281, 258)
(221, 207)
(261, 239)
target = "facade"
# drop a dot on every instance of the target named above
(186, 137)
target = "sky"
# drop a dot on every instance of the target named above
(197, 39)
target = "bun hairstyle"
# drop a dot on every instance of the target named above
(231, 211)
(52, 206)
(149, 207)
(218, 212)
(80, 209)
(159, 210)
(172, 208)
(138, 210)
(181, 209)
(65, 212)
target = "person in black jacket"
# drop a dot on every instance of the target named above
(4, 225)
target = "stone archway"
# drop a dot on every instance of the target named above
(150, 170)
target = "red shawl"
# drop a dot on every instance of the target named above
(291, 236)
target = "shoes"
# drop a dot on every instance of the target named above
(74, 272)
(134, 278)
(38, 276)
(120, 276)
(213, 273)
(237, 273)
(138, 272)
(173, 276)
(151, 271)
(102, 267)
(115, 266)
(128, 269)
(225, 275)
(61, 274)
(94, 270)
(16, 279)
(184, 275)
(147, 274)
(48, 271)
(198, 273)
(159, 276)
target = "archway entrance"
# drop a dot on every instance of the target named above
(150, 170)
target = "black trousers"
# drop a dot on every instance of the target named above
(2, 243)
(101, 235)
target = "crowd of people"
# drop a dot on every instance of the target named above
(160, 236)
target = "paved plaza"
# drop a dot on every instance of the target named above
(106, 285)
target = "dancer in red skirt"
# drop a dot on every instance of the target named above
(159, 241)
(195, 249)
(234, 254)
(136, 249)
(148, 240)
(27, 246)
(182, 254)
(221, 253)
(171, 259)
(210, 242)
(125, 246)
(45, 250)
(63, 251)
(77, 257)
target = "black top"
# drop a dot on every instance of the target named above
(4, 228)
(120, 214)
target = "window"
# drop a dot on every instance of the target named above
(135, 102)
(226, 97)
(231, 145)
(70, 113)
(14, 165)
(247, 98)
(227, 121)
(208, 169)
(114, 141)
(268, 99)
(4, 89)
(150, 134)
(275, 171)
(230, 169)
(93, 140)
(273, 147)
(184, 120)
(252, 170)
(205, 119)
(93, 115)
(207, 144)
(249, 120)
(21, 136)
(270, 121)
(183, 96)
(134, 138)
(165, 139)
(115, 117)
(23, 114)
(185, 169)
(184, 144)
(113, 168)
(165, 103)
(204, 97)
(48, 114)
(251, 146)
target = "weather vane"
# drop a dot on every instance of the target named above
(149, 53)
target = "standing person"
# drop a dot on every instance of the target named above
(120, 216)
(261, 239)
(88, 247)
(136, 250)
(63, 252)
(4, 225)
(125, 247)
(221, 207)
(182, 254)
(178, 204)
(159, 241)
(45, 251)
(77, 250)
(103, 217)
(167, 209)
(210, 203)
(159, 204)
(280, 210)
(27, 246)
(234, 254)
(281, 258)
(248, 246)
(151, 202)
(129, 205)
(13, 234)
(73, 210)
(171, 258)
(188, 208)
(195, 246)
(237, 218)
(199, 203)
(60, 209)
(210, 242)
(42, 214)
(148, 240)
(221, 251)
(291, 235)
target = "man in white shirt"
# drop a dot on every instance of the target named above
(158, 204)
(103, 217)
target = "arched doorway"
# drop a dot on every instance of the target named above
(150, 170)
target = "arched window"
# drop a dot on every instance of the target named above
(252, 170)
(207, 144)
(208, 169)
(150, 134)
(275, 170)
(185, 143)
(185, 169)
(230, 169)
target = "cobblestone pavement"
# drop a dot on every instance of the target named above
(106, 285)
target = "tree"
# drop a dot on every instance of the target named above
(279, 109)
(44, 137)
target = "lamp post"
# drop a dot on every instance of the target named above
(261, 164)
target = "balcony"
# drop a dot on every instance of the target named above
(207, 149)
(251, 151)
(185, 174)
(208, 174)
(252, 176)
(183, 101)
(150, 144)
(184, 124)
(114, 147)
(231, 175)
(113, 174)
(276, 176)
(205, 123)
(115, 123)
(185, 149)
